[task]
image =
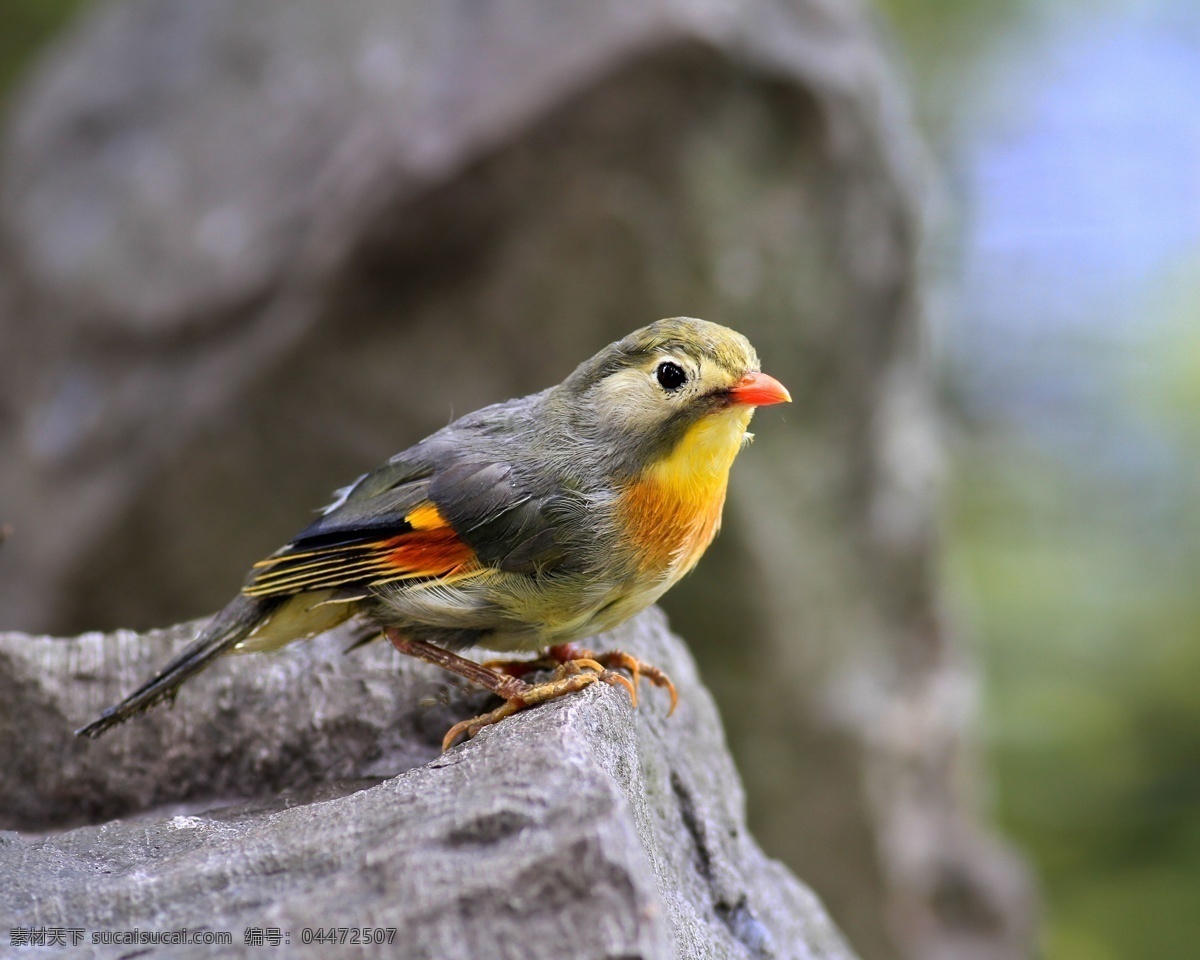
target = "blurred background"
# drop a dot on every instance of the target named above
(1050, 310)
(1068, 141)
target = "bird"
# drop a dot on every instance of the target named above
(525, 527)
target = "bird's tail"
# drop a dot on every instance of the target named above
(221, 635)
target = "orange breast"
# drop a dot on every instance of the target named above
(669, 525)
(673, 511)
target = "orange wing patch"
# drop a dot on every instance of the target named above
(431, 549)
(435, 553)
(426, 517)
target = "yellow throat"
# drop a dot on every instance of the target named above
(674, 510)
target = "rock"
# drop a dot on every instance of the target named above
(583, 828)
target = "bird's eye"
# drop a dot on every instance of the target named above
(670, 375)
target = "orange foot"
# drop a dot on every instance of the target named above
(567, 653)
(573, 670)
(515, 693)
(568, 677)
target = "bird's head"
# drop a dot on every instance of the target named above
(676, 395)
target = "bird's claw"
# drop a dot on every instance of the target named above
(620, 660)
(574, 669)
(519, 695)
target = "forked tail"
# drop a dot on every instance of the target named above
(221, 634)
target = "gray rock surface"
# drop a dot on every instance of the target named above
(581, 829)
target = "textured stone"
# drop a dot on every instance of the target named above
(583, 828)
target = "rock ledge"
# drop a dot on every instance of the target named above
(579, 829)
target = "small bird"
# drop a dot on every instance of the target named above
(526, 526)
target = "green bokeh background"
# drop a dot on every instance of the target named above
(1073, 574)
(1072, 528)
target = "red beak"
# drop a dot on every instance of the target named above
(759, 390)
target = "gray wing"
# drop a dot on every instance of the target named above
(459, 498)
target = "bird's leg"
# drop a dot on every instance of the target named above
(516, 693)
(508, 688)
